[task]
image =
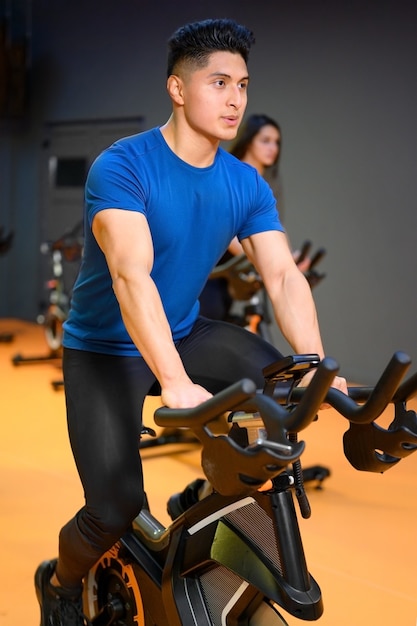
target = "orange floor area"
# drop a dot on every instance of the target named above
(360, 543)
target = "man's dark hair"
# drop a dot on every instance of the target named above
(195, 42)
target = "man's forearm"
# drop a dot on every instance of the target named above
(147, 325)
(296, 315)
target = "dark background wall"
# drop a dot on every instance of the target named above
(340, 77)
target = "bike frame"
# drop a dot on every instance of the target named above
(213, 566)
(236, 557)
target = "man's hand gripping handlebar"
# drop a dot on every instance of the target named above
(236, 470)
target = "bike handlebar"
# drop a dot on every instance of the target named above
(406, 390)
(244, 281)
(312, 398)
(250, 467)
(243, 395)
(226, 400)
(363, 405)
(367, 446)
(70, 244)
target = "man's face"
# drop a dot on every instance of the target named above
(215, 96)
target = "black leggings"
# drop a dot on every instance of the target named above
(104, 397)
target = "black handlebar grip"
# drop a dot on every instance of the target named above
(365, 404)
(379, 398)
(321, 252)
(358, 394)
(305, 249)
(406, 390)
(226, 400)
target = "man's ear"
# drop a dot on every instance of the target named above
(175, 89)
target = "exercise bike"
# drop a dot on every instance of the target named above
(236, 558)
(246, 288)
(67, 248)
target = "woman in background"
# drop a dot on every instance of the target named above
(258, 143)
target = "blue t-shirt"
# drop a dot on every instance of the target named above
(193, 214)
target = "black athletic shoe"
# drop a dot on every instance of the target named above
(180, 502)
(58, 607)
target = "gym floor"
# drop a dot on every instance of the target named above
(360, 542)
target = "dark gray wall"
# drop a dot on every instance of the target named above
(340, 77)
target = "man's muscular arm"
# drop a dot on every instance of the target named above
(290, 294)
(126, 242)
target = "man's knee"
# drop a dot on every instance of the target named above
(113, 518)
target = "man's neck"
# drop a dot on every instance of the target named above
(193, 148)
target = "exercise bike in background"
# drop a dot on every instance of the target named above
(66, 249)
(250, 302)
(236, 558)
